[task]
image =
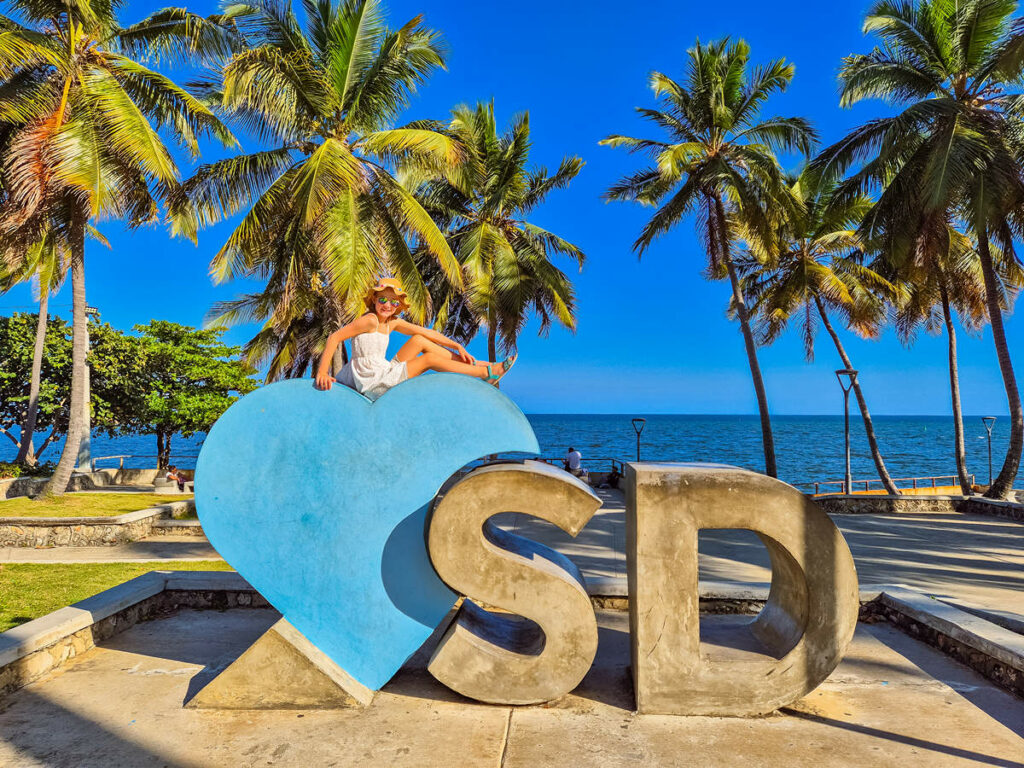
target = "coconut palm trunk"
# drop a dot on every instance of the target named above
(869, 426)
(492, 335)
(743, 313)
(960, 449)
(1003, 484)
(58, 482)
(26, 451)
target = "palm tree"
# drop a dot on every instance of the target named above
(324, 211)
(289, 343)
(817, 270)
(82, 116)
(46, 265)
(483, 205)
(955, 151)
(930, 296)
(719, 163)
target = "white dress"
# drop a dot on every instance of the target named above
(369, 372)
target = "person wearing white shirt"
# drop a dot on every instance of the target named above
(572, 461)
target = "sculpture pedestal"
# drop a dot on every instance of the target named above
(282, 670)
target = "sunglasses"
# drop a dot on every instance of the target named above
(383, 300)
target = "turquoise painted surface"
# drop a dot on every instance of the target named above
(319, 500)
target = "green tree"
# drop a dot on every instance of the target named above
(169, 379)
(718, 163)
(325, 214)
(812, 268)
(18, 334)
(80, 117)
(955, 151)
(483, 205)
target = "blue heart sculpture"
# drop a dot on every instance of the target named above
(319, 500)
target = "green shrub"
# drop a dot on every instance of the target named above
(9, 470)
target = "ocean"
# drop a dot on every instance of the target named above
(808, 448)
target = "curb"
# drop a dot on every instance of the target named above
(45, 645)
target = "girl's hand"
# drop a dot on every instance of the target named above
(324, 380)
(464, 355)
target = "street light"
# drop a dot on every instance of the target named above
(85, 446)
(638, 426)
(989, 422)
(847, 378)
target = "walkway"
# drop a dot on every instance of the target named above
(973, 560)
(891, 702)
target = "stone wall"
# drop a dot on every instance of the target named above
(888, 505)
(987, 664)
(86, 531)
(80, 481)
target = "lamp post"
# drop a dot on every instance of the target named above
(989, 422)
(847, 377)
(85, 446)
(638, 426)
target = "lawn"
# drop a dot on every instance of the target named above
(31, 590)
(85, 504)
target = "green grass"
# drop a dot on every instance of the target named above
(31, 590)
(85, 504)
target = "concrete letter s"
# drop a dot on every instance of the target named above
(546, 648)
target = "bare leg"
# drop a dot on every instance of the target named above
(433, 361)
(419, 345)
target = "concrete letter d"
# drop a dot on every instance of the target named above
(546, 648)
(805, 626)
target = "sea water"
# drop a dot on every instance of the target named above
(808, 448)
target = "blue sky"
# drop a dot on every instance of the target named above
(653, 336)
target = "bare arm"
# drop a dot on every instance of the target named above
(404, 326)
(363, 324)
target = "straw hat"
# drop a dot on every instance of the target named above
(394, 285)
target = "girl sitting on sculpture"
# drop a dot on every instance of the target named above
(370, 373)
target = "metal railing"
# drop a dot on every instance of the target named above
(613, 465)
(122, 456)
(864, 486)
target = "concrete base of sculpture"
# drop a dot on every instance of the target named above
(805, 626)
(282, 670)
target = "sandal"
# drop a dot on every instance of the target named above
(493, 378)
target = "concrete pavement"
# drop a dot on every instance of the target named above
(891, 702)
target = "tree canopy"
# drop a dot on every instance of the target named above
(171, 379)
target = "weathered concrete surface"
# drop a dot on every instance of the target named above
(495, 657)
(891, 702)
(994, 651)
(806, 623)
(37, 648)
(281, 670)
